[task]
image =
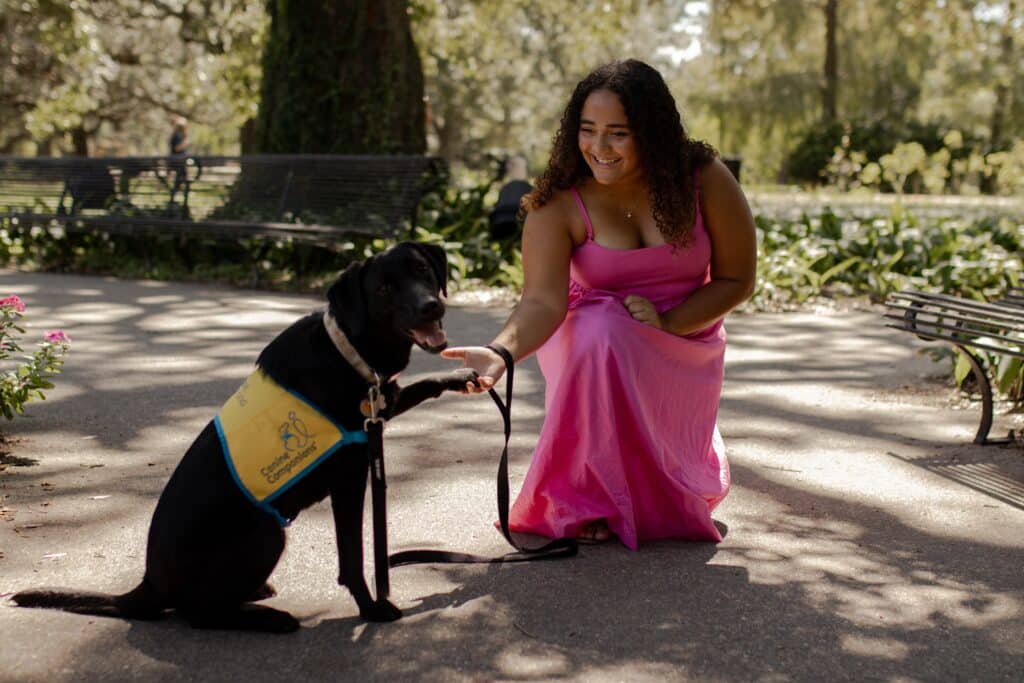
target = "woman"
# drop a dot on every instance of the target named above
(637, 243)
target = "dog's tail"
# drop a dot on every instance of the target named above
(143, 602)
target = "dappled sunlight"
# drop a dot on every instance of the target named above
(524, 660)
(230, 320)
(883, 648)
(98, 312)
(843, 571)
(861, 528)
(161, 299)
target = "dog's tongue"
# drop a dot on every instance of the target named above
(430, 335)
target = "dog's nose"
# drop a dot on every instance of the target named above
(432, 308)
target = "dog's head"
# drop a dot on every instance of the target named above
(395, 293)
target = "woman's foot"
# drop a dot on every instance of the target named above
(594, 532)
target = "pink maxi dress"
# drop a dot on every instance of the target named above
(630, 432)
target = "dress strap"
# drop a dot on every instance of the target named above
(583, 212)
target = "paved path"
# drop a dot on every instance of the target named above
(867, 540)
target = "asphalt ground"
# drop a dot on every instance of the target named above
(867, 538)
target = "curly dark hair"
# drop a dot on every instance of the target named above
(668, 156)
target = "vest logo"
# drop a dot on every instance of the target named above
(293, 433)
(272, 437)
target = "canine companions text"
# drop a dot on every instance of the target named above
(216, 534)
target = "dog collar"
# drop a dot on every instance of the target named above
(348, 351)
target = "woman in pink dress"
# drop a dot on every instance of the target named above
(637, 243)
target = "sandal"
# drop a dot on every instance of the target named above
(594, 532)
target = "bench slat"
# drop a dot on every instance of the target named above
(944, 333)
(962, 321)
(931, 302)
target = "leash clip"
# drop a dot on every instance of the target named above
(373, 403)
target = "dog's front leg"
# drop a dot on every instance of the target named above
(347, 497)
(430, 387)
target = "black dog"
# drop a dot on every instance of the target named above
(210, 548)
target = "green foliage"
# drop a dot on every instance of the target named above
(280, 264)
(499, 72)
(456, 219)
(1006, 371)
(953, 168)
(815, 148)
(853, 253)
(110, 72)
(756, 86)
(27, 379)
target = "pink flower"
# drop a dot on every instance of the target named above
(13, 301)
(57, 337)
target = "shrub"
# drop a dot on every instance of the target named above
(808, 162)
(27, 380)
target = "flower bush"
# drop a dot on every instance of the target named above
(28, 378)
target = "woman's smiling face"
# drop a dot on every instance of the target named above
(606, 140)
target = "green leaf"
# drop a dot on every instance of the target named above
(1010, 370)
(839, 268)
(961, 368)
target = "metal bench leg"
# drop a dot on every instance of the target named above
(978, 368)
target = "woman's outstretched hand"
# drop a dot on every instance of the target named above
(489, 366)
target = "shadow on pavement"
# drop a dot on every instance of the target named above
(866, 539)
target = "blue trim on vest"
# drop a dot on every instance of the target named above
(348, 438)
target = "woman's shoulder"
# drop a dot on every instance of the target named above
(714, 175)
(560, 201)
(722, 201)
(560, 211)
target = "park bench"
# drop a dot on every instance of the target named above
(971, 326)
(304, 197)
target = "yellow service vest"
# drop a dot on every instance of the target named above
(272, 437)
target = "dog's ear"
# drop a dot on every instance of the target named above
(348, 301)
(438, 261)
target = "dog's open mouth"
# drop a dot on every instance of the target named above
(430, 337)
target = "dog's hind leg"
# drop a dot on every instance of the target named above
(264, 592)
(220, 583)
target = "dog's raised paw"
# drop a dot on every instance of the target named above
(457, 379)
(381, 611)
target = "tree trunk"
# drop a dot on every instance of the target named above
(1004, 79)
(831, 90)
(80, 141)
(341, 77)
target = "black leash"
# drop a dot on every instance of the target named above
(556, 549)
(375, 437)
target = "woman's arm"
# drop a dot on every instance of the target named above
(730, 227)
(547, 247)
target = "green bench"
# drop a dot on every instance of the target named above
(971, 326)
(309, 198)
